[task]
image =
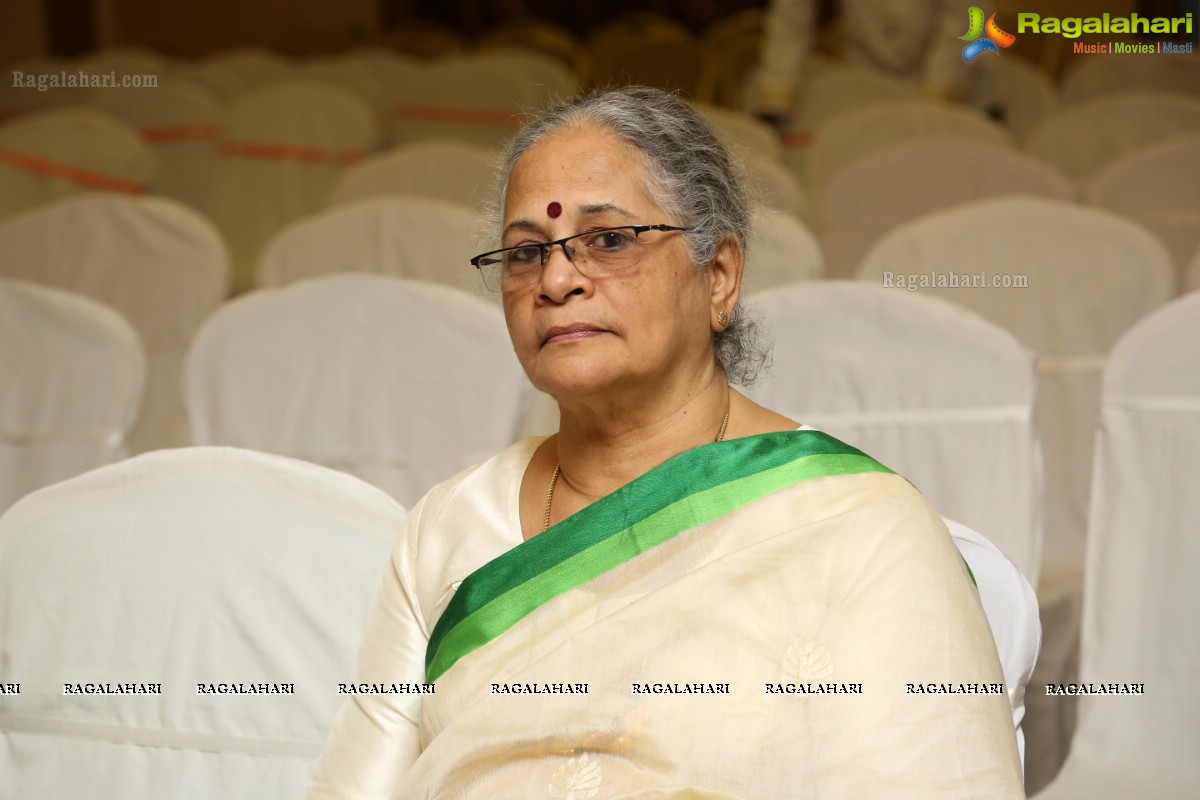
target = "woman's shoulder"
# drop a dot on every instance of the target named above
(884, 500)
(461, 524)
(490, 479)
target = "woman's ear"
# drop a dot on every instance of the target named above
(725, 276)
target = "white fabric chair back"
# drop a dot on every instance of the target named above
(201, 566)
(465, 98)
(392, 72)
(1019, 91)
(123, 61)
(781, 251)
(550, 75)
(1012, 613)
(352, 74)
(181, 121)
(834, 90)
(1158, 186)
(741, 132)
(1090, 275)
(283, 148)
(853, 134)
(73, 374)
(1140, 588)
(401, 235)
(775, 185)
(906, 180)
(19, 100)
(246, 69)
(1092, 78)
(400, 382)
(159, 263)
(922, 385)
(48, 156)
(456, 172)
(1081, 139)
(1191, 280)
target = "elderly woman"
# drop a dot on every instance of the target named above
(681, 594)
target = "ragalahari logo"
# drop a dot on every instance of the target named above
(981, 37)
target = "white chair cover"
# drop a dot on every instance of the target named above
(1158, 186)
(402, 235)
(1021, 92)
(837, 89)
(73, 374)
(781, 251)
(48, 156)
(183, 567)
(741, 132)
(1090, 275)
(235, 72)
(928, 388)
(353, 74)
(853, 134)
(180, 121)
(123, 61)
(1091, 78)
(1083, 138)
(456, 172)
(550, 75)
(474, 99)
(1191, 281)
(774, 185)
(159, 263)
(282, 150)
(17, 101)
(1140, 592)
(1012, 613)
(903, 181)
(392, 71)
(400, 382)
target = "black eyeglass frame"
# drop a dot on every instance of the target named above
(544, 247)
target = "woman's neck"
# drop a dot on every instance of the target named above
(602, 446)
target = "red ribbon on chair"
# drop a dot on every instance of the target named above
(276, 151)
(796, 139)
(460, 116)
(10, 114)
(68, 172)
(169, 134)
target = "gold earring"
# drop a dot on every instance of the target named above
(722, 318)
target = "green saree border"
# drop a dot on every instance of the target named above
(691, 489)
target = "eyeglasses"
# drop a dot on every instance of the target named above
(594, 253)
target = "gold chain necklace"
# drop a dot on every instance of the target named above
(558, 470)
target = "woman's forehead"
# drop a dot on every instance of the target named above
(575, 168)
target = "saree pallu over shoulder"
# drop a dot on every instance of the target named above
(694, 488)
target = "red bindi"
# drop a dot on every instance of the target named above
(554, 209)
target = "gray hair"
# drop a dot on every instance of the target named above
(691, 176)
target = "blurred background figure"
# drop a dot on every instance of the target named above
(914, 40)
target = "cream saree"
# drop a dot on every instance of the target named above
(777, 616)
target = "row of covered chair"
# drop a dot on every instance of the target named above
(967, 439)
(200, 530)
(869, 184)
(277, 154)
(166, 269)
(316, 342)
(210, 567)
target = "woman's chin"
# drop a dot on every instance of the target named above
(573, 378)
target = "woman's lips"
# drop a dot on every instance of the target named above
(568, 332)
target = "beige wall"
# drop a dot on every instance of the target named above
(22, 33)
